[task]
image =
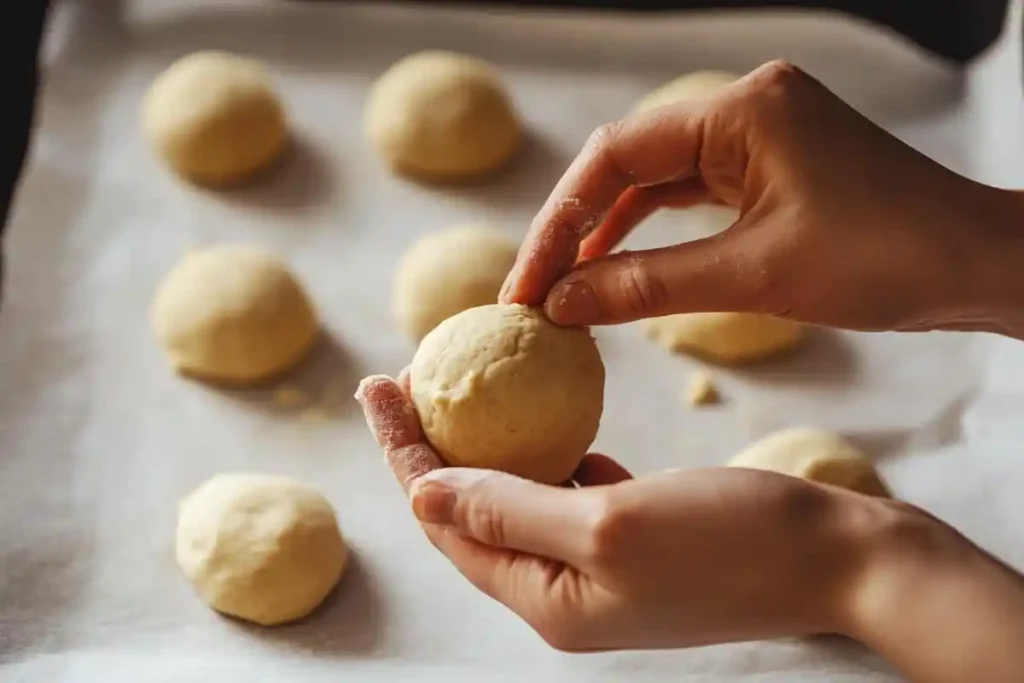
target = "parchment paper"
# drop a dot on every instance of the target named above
(98, 440)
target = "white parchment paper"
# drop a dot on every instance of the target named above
(98, 440)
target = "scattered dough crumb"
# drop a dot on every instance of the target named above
(289, 397)
(702, 390)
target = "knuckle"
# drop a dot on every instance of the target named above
(485, 522)
(601, 148)
(602, 137)
(643, 292)
(609, 528)
(782, 72)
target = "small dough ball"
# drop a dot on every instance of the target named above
(815, 455)
(502, 387)
(696, 85)
(214, 118)
(233, 314)
(448, 271)
(442, 116)
(259, 547)
(726, 338)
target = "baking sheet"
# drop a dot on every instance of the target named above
(98, 440)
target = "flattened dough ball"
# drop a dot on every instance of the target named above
(448, 271)
(442, 116)
(696, 85)
(259, 547)
(214, 118)
(233, 314)
(726, 338)
(501, 387)
(816, 455)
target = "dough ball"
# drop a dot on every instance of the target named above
(447, 272)
(726, 338)
(259, 547)
(694, 85)
(233, 314)
(214, 118)
(501, 387)
(815, 455)
(442, 116)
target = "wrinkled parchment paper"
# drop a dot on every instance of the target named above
(98, 440)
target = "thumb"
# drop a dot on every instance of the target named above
(718, 273)
(505, 511)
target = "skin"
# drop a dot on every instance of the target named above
(889, 240)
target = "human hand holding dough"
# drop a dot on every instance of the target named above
(442, 116)
(214, 118)
(501, 387)
(233, 314)
(447, 271)
(816, 455)
(259, 547)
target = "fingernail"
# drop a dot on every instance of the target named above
(573, 302)
(433, 502)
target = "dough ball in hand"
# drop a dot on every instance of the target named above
(501, 387)
(214, 118)
(726, 338)
(448, 271)
(442, 116)
(695, 85)
(260, 547)
(816, 455)
(233, 314)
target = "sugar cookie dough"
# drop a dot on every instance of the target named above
(448, 271)
(701, 390)
(694, 85)
(725, 338)
(214, 118)
(815, 455)
(233, 314)
(442, 116)
(259, 547)
(502, 387)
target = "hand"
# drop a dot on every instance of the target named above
(840, 223)
(670, 560)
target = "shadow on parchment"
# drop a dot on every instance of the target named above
(522, 184)
(318, 389)
(304, 178)
(349, 622)
(826, 359)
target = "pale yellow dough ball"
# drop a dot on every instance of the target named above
(233, 314)
(696, 85)
(442, 116)
(260, 547)
(214, 118)
(726, 338)
(501, 387)
(816, 455)
(448, 271)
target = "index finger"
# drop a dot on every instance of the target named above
(646, 148)
(392, 418)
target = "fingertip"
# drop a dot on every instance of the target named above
(573, 301)
(374, 388)
(600, 470)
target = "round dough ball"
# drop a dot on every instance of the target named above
(815, 455)
(448, 271)
(442, 116)
(214, 118)
(726, 338)
(502, 387)
(259, 547)
(694, 85)
(233, 314)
